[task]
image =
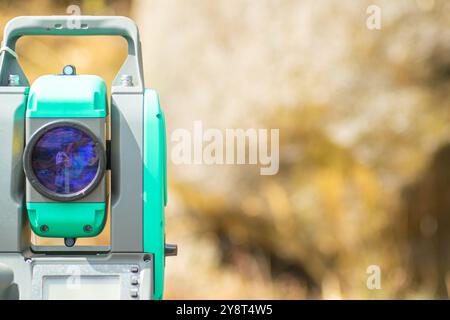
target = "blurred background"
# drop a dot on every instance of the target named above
(364, 120)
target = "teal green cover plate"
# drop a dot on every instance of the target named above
(66, 220)
(61, 96)
(155, 186)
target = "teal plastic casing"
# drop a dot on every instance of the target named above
(88, 102)
(58, 96)
(67, 97)
(155, 186)
(66, 218)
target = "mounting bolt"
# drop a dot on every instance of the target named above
(69, 70)
(127, 80)
(13, 80)
(87, 228)
(170, 250)
(70, 242)
(44, 228)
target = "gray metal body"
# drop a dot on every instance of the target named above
(14, 228)
(126, 109)
(22, 277)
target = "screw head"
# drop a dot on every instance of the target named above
(44, 228)
(69, 242)
(87, 228)
(13, 80)
(69, 70)
(127, 80)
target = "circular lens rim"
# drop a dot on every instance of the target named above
(34, 181)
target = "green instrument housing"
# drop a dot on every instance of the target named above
(73, 98)
(61, 96)
(155, 186)
(65, 219)
(135, 155)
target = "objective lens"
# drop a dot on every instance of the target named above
(65, 160)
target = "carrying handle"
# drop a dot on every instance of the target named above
(76, 26)
(70, 26)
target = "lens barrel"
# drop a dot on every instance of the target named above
(64, 160)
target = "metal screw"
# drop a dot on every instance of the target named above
(127, 80)
(13, 80)
(44, 228)
(69, 70)
(87, 228)
(70, 242)
(170, 250)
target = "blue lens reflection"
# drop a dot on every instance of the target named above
(65, 160)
